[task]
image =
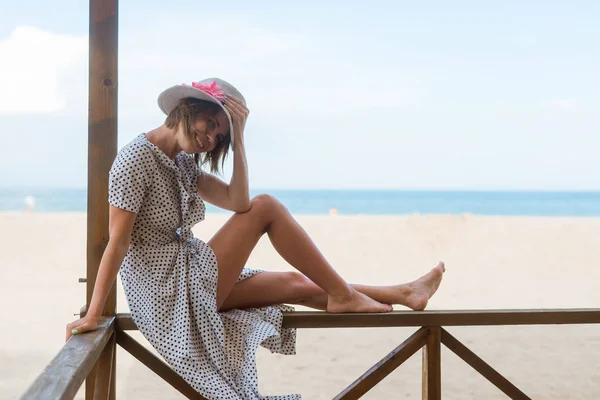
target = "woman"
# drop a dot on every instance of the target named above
(194, 301)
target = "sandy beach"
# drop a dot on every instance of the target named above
(492, 262)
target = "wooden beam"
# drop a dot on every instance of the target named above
(158, 366)
(125, 323)
(63, 376)
(320, 319)
(482, 367)
(384, 367)
(432, 365)
(102, 149)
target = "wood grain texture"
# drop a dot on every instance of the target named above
(102, 134)
(104, 371)
(320, 319)
(102, 149)
(432, 365)
(63, 376)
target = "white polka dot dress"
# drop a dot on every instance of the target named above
(170, 279)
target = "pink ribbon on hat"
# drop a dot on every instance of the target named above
(213, 89)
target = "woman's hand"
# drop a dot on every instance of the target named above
(85, 324)
(239, 114)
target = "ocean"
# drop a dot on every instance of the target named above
(359, 202)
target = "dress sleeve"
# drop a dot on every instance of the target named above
(129, 178)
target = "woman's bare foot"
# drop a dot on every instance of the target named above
(355, 302)
(421, 290)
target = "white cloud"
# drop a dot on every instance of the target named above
(32, 61)
(278, 72)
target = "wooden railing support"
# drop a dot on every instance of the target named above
(156, 365)
(62, 378)
(105, 371)
(432, 365)
(482, 367)
(384, 367)
(431, 335)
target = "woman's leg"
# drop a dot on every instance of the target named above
(234, 242)
(270, 288)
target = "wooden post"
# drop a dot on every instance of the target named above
(432, 371)
(102, 149)
(103, 386)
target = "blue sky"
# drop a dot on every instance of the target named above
(346, 94)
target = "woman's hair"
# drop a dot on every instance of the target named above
(187, 112)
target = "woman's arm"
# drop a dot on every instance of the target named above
(234, 196)
(120, 227)
(239, 190)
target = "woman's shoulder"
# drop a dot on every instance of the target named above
(135, 147)
(135, 154)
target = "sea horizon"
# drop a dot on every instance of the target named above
(357, 201)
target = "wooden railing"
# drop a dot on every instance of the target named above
(65, 374)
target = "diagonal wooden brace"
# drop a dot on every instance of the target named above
(384, 367)
(482, 367)
(157, 366)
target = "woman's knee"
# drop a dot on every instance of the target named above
(300, 286)
(265, 205)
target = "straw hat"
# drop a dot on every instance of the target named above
(210, 89)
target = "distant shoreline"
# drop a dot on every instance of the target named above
(357, 202)
(325, 217)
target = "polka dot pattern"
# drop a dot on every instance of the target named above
(170, 280)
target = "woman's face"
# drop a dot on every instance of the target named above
(206, 133)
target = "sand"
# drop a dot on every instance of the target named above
(492, 262)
